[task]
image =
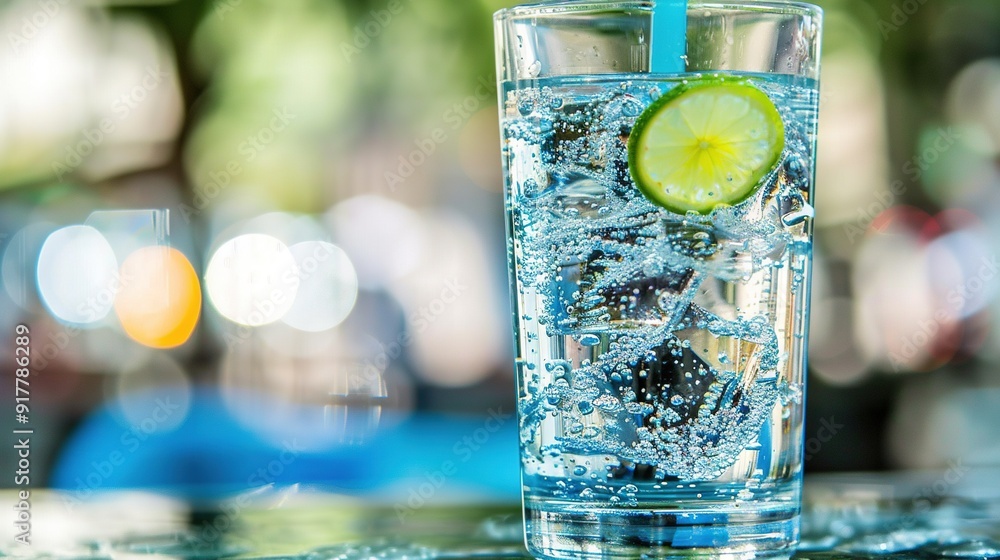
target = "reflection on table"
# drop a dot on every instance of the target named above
(949, 514)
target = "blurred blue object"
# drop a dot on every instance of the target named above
(211, 455)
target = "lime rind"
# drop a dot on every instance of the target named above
(689, 154)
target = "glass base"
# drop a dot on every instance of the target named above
(666, 533)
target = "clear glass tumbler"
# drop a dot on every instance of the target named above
(659, 220)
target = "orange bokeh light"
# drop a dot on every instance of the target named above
(159, 302)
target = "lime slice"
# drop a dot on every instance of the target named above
(705, 144)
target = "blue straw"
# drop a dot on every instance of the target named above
(668, 43)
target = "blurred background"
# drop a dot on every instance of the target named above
(167, 166)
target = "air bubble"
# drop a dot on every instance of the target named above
(631, 107)
(587, 230)
(526, 105)
(590, 340)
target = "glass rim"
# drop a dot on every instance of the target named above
(556, 7)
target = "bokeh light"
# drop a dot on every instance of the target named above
(973, 103)
(279, 394)
(452, 311)
(852, 166)
(262, 141)
(936, 419)
(78, 276)
(127, 231)
(91, 353)
(893, 301)
(38, 113)
(328, 287)
(962, 268)
(919, 280)
(153, 394)
(252, 279)
(160, 300)
(384, 239)
(834, 357)
(124, 121)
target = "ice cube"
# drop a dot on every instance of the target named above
(608, 296)
(748, 348)
(576, 196)
(584, 141)
(711, 386)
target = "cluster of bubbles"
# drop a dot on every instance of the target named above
(671, 383)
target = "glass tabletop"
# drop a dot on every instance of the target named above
(949, 514)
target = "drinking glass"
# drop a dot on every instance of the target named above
(660, 331)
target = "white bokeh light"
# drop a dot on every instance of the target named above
(900, 316)
(384, 239)
(971, 103)
(455, 324)
(252, 279)
(124, 121)
(961, 268)
(328, 287)
(78, 275)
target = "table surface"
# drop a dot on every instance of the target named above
(952, 514)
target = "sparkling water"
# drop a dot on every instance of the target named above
(660, 357)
